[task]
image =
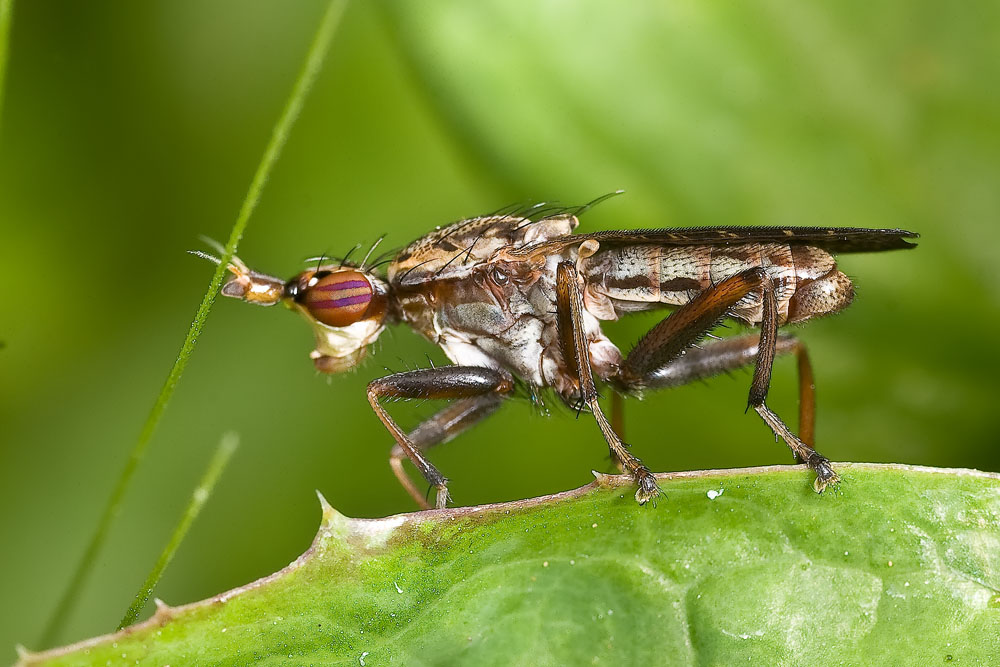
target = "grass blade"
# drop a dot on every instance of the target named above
(306, 78)
(227, 445)
(6, 15)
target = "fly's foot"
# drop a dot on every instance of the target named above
(648, 488)
(825, 474)
(441, 497)
(439, 484)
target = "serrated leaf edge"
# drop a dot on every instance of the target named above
(374, 533)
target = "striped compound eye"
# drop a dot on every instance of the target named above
(339, 298)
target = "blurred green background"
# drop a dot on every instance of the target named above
(128, 129)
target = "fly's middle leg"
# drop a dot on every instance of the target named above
(575, 348)
(479, 390)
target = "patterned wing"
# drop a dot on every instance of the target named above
(833, 239)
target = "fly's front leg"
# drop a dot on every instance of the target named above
(575, 350)
(825, 474)
(457, 382)
(441, 428)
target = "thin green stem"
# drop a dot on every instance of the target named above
(279, 135)
(6, 15)
(227, 445)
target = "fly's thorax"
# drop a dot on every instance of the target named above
(500, 313)
(464, 275)
(490, 299)
(455, 251)
(481, 319)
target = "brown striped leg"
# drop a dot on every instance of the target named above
(439, 429)
(575, 350)
(684, 327)
(731, 354)
(657, 362)
(457, 382)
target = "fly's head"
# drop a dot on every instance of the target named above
(345, 305)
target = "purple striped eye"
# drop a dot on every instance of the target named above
(338, 299)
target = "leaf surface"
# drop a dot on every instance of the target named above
(741, 565)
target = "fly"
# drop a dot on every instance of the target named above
(517, 299)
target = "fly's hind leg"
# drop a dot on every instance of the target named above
(454, 382)
(825, 474)
(662, 359)
(439, 429)
(731, 354)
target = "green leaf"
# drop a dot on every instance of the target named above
(741, 565)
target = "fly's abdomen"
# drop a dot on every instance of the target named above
(775, 258)
(639, 277)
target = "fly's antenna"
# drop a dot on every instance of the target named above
(370, 251)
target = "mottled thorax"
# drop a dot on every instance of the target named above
(476, 289)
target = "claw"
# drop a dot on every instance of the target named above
(441, 498)
(825, 476)
(648, 489)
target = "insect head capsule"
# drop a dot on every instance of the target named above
(337, 298)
